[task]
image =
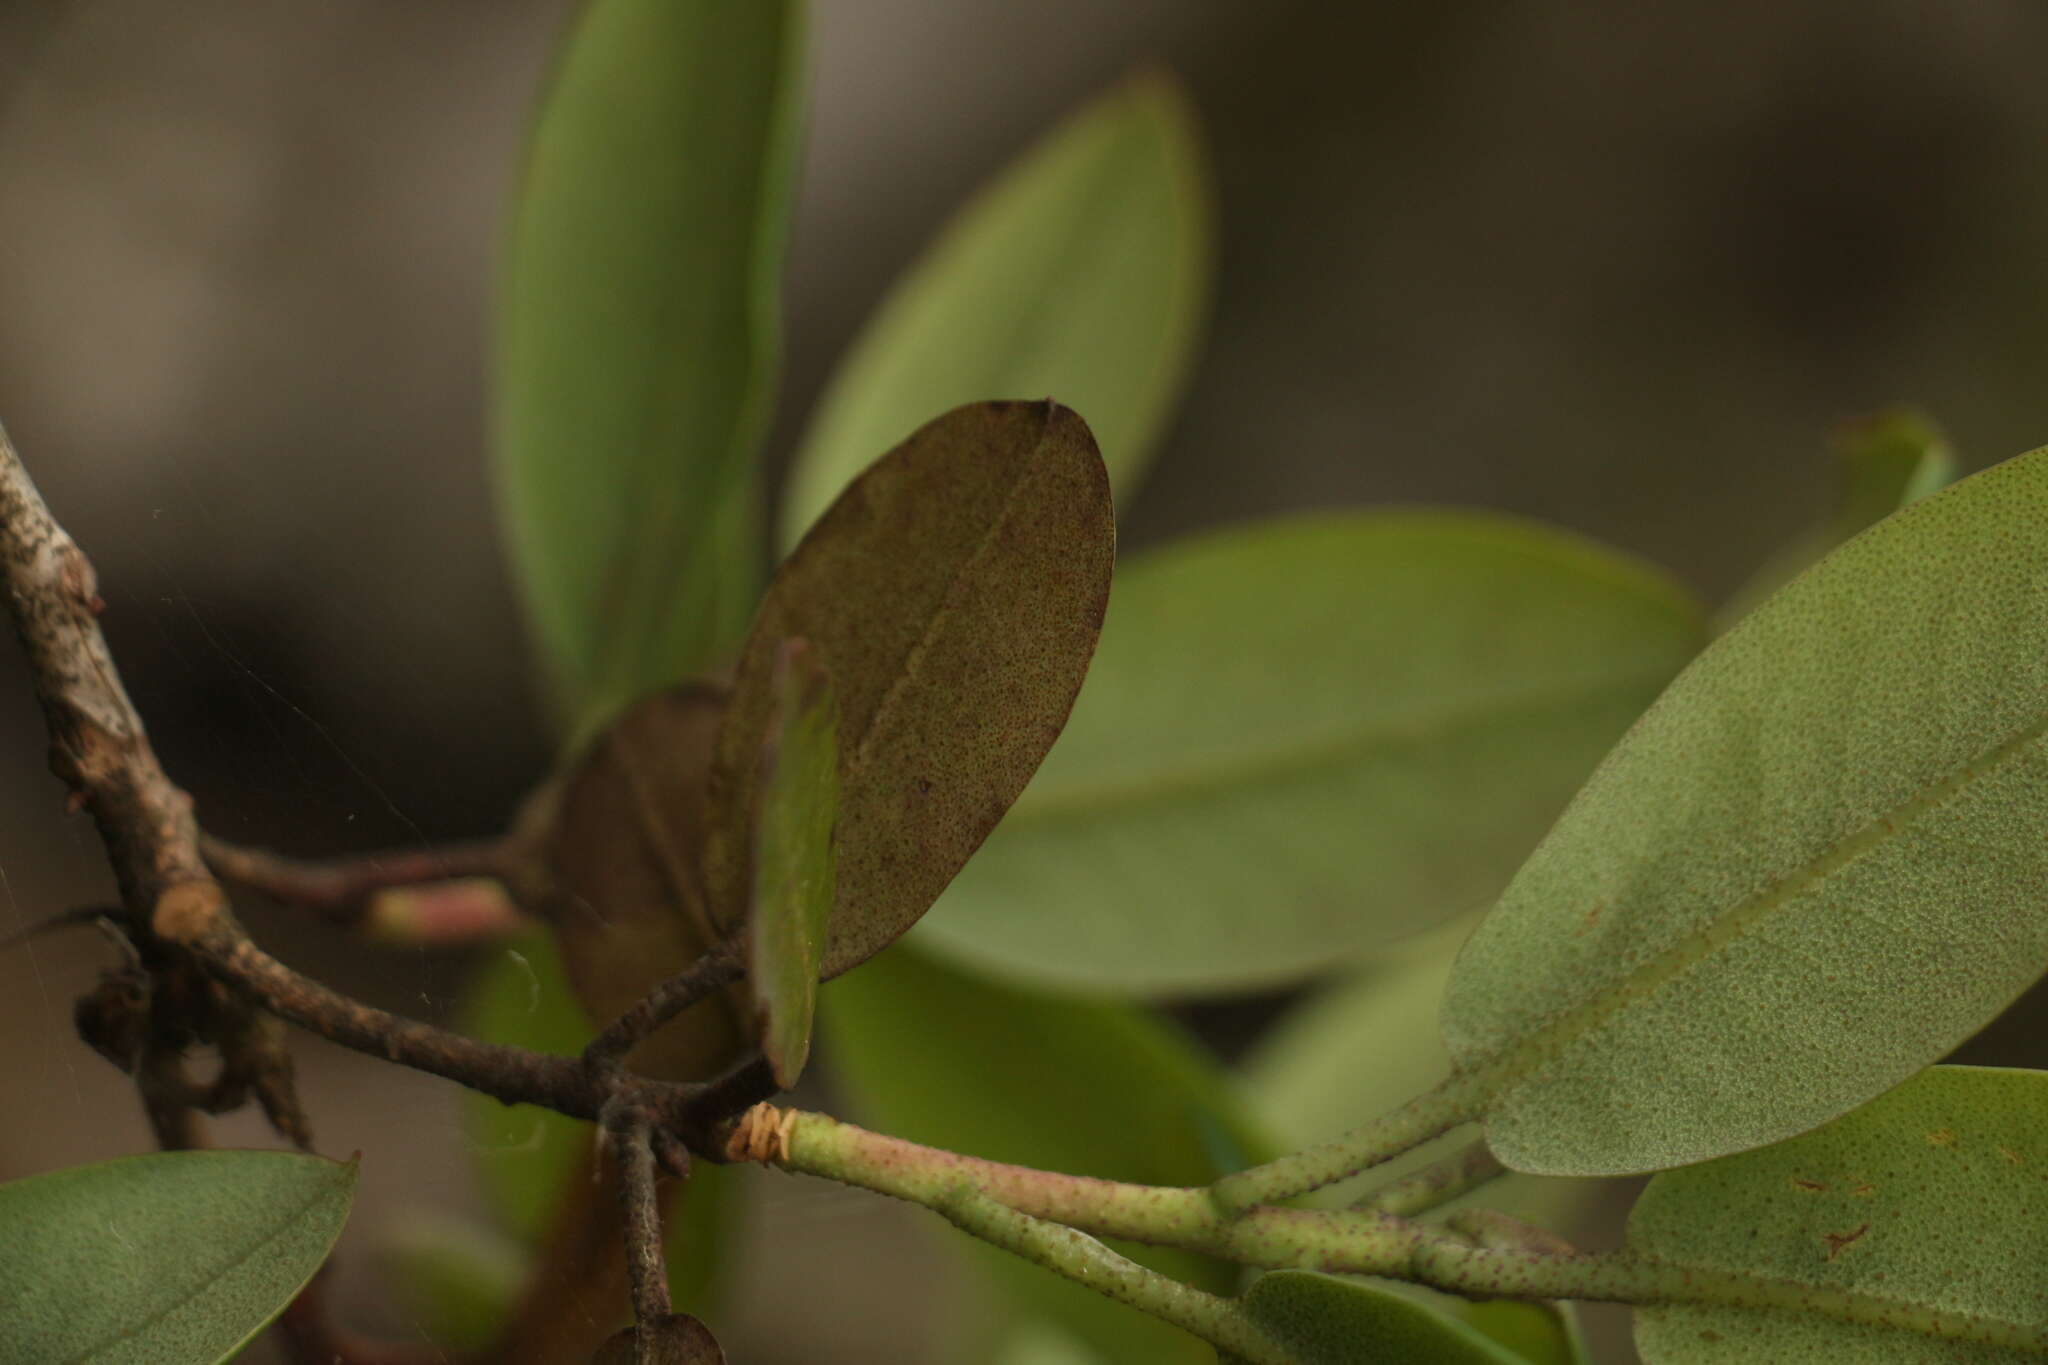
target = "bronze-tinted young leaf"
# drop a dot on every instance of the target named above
(793, 857)
(679, 1339)
(1930, 1197)
(623, 856)
(954, 592)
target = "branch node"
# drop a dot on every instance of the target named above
(762, 1135)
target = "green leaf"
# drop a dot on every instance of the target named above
(174, 1256)
(457, 1280)
(1882, 463)
(524, 1155)
(1810, 870)
(638, 337)
(622, 858)
(1083, 272)
(1322, 1320)
(1930, 1196)
(1035, 1341)
(793, 879)
(931, 1054)
(1539, 1333)
(527, 1158)
(1303, 740)
(953, 593)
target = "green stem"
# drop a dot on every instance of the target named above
(1086, 1261)
(1460, 1099)
(1436, 1184)
(1305, 1239)
(1345, 1240)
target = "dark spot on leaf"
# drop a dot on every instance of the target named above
(1838, 1240)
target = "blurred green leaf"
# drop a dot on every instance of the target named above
(1362, 1047)
(1327, 1321)
(174, 1256)
(1539, 1333)
(793, 877)
(1303, 740)
(1882, 463)
(953, 593)
(1093, 1088)
(457, 1280)
(1930, 1196)
(638, 337)
(526, 1157)
(1082, 272)
(1038, 1342)
(1810, 870)
(521, 997)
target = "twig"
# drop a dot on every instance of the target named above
(97, 743)
(447, 895)
(1436, 1184)
(1081, 1258)
(630, 1136)
(718, 968)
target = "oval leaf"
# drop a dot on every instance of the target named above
(1810, 870)
(793, 876)
(1322, 1320)
(1538, 1333)
(1082, 272)
(932, 1054)
(1930, 1196)
(624, 865)
(1304, 740)
(638, 335)
(524, 1155)
(172, 1256)
(954, 593)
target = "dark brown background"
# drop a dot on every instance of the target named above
(1612, 265)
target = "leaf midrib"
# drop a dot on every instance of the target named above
(285, 1225)
(1095, 797)
(1523, 1060)
(908, 670)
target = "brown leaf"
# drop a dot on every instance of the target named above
(679, 1339)
(954, 593)
(623, 876)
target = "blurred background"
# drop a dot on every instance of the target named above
(1618, 267)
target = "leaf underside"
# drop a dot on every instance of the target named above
(953, 593)
(173, 1256)
(1809, 871)
(1931, 1196)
